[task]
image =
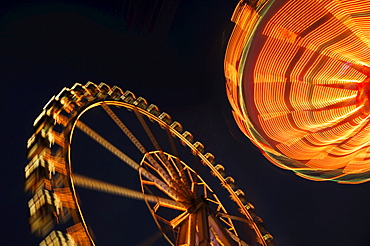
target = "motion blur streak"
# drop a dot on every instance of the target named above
(298, 82)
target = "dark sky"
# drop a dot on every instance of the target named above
(175, 60)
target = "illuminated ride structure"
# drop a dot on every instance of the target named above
(298, 76)
(178, 180)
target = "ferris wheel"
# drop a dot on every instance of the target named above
(192, 200)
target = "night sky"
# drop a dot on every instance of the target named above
(174, 59)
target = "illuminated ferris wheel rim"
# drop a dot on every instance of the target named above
(78, 102)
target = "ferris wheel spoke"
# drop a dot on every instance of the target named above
(141, 148)
(124, 128)
(164, 189)
(126, 159)
(97, 185)
(156, 145)
(176, 187)
(87, 130)
(147, 130)
(179, 171)
(136, 142)
(176, 181)
(234, 217)
(173, 170)
(194, 185)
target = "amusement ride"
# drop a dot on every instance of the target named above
(191, 197)
(298, 80)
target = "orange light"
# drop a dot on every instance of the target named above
(298, 80)
(79, 234)
(65, 197)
